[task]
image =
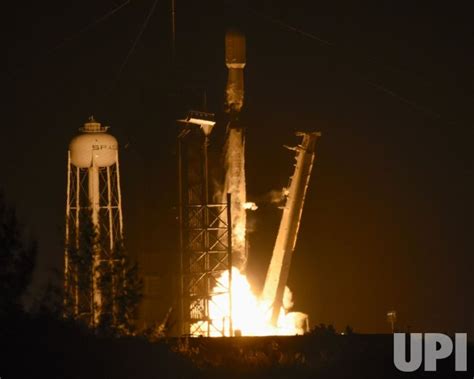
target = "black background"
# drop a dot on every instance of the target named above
(388, 219)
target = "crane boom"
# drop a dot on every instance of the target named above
(279, 268)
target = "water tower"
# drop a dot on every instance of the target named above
(94, 204)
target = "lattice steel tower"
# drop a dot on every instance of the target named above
(93, 203)
(205, 235)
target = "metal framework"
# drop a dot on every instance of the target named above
(205, 237)
(278, 271)
(93, 194)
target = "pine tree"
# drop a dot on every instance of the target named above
(51, 301)
(348, 330)
(121, 289)
(17, 260)
(81, 254)
(117, 278)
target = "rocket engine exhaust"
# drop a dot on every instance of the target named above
(231, 303)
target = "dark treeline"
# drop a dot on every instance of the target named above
(42, 343)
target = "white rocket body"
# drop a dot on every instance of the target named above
(235, 62)
(235, 145)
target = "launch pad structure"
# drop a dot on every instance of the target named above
(213, 236)
(205, 233)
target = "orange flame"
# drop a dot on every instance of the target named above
(250, 315)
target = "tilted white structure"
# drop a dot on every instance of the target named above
(278, 271)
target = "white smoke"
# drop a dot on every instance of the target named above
(275, 196)
(235, 97)
(235, 185)
(288, 299)
(251, 206)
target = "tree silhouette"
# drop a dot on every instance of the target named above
(78, 294)
(118, 282)
(348, 330)
(323, 330)
(17, 260)
(121, 290)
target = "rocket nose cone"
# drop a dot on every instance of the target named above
(234, 47)
(234, 33)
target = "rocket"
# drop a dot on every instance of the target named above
(235, 62)
(235, 145)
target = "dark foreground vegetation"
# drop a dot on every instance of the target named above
(40, 343)
(42, 347)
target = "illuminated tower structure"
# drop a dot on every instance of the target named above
(205, 235)
(93, 202)
(279, 269)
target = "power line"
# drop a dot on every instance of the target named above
(81, 31)
(291, 28)
(108, 94)
(137, 39)
(413, 104)
(91, 25)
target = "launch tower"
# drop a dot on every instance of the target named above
(205, 234)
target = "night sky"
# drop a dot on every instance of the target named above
(388, 221)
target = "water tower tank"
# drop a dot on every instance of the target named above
(94, 144)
